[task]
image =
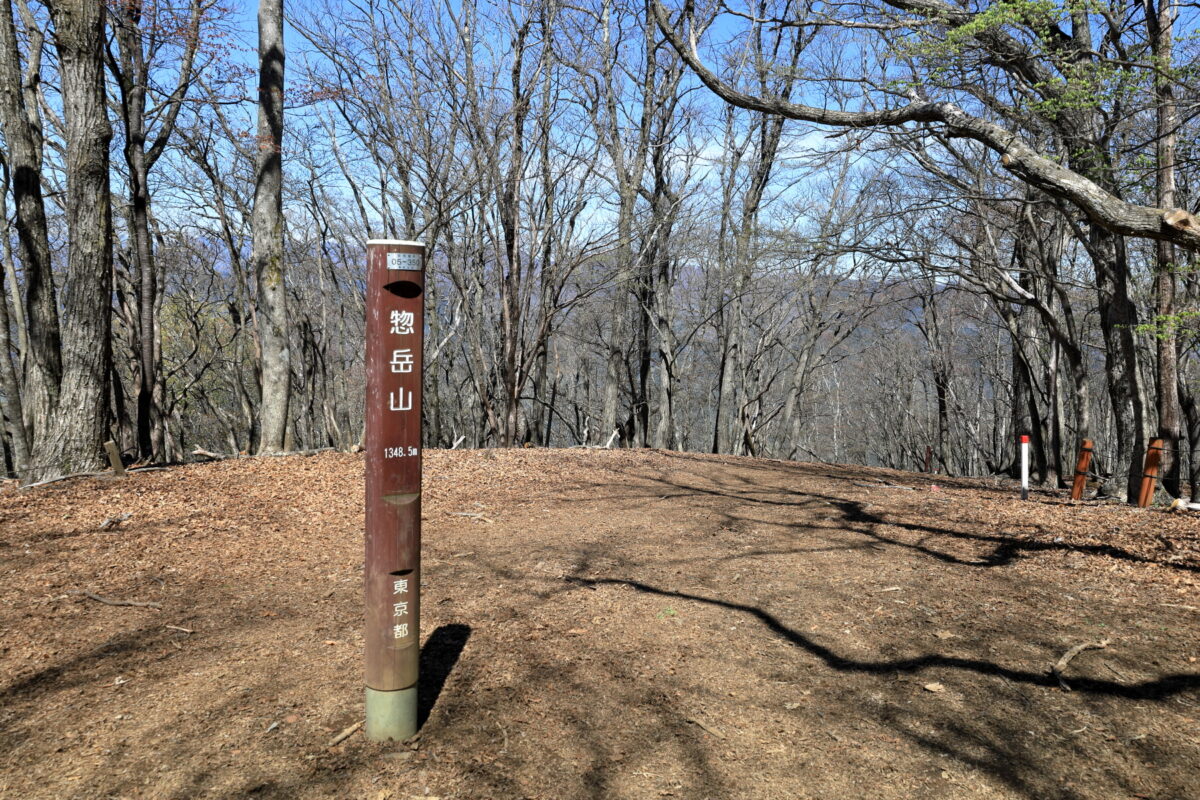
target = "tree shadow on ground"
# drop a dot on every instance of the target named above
(104, 659)
(850, 473)
(1157, 689)
(1008, 548)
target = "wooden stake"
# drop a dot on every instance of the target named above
(1024, 466)
(1081, 468)
(114, 458)
(1150, 473)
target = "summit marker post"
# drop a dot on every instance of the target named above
(395, 337)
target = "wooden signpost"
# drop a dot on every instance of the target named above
(1081, 469)
(1150, 473)
(395, 336)
(114, 459)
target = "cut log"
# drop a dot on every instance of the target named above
(1182, 219)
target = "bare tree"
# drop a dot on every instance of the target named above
(268, 232)
(22, 122)
(142, 45)
(10, 384)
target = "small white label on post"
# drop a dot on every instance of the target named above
(404, 261)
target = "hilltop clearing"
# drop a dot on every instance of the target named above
(600, 624)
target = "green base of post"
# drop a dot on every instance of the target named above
(391, 716)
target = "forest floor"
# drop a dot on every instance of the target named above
(612, 624)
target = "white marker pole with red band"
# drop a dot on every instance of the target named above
(1024, 467)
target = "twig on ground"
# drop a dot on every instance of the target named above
(700, 724)
(1061, 665)
(472, 515)
(1180, 605)
(110, 602)
(177, 628)
(345, 734)
(1116, 672)
(222, 457)
(1017, 690)
(113, 522)
(49, 481)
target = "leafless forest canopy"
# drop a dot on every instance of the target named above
(844, 231)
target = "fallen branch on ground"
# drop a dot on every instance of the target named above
(49, 481)
(472, 515)
(1061, 665)
(100, 474)
(702, 726)
(345, 734)
(113, 522)
(223, 457)
(110, 602)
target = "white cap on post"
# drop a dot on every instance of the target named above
(396, 241)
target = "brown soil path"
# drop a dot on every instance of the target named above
(615, 625)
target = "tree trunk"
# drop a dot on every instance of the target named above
(641, 388)
(79, 424)
(1118, 319)
(267, 229)
(131, 73)
(614, 367)
(22, 139)
(1160, 23)
(14, 417)
(1191, 411)
(1021, 408)
(941, 383)
(666, 435)
(1056, 410)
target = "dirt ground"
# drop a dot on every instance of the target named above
(606, 625)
